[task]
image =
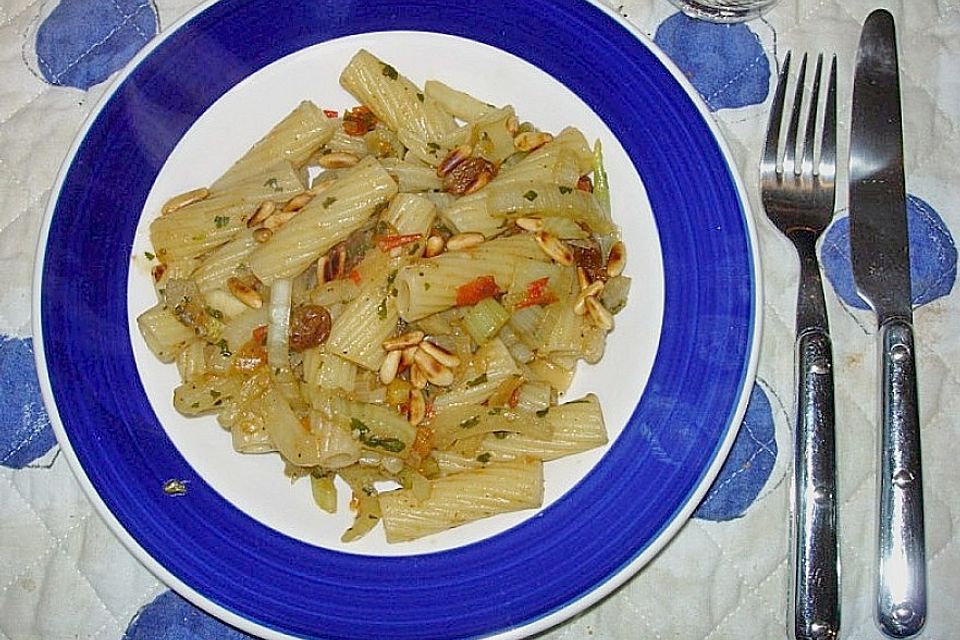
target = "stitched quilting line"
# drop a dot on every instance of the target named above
(135, 11)
(734, 79)
(55, 77)
(34, 434)
(57, 546)
(763, 448)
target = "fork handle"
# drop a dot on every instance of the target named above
(901, 594)
(816, 586)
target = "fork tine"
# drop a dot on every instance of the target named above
(789, 156)
(769, 161)
(828, 146)
(806, 156)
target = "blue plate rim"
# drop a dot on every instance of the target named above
(545, 621)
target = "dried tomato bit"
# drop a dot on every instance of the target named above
(359, 121)
(260, 334)
(476, 290)
(387, 243)
(537, 293)
(355, 276)
(589, 256)
(330, 113)
(250, 356)
(585, 184)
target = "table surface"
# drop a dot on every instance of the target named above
(725, 575)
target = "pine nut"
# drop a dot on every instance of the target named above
(599, 314)
(434, 372)
(591, 291)
(404, 340)
(262, 234)
(417, 378)
(244, 293)
(461, 241)
(406, 360)
(279, 219)
(530, 224)
(530, 140)
(417, 407)
(582, 278)
(555, 248)
(182, 200)
(434, 246)
(264, 211)
(617, 259)
(390, 366)
(440, 354)
(338, 160)
(298, 201)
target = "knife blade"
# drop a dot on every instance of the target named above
(880, 253)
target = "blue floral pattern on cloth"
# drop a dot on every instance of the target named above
(25, 432)
(170, 617)
(748, 466)
(933, 256)
(82, 42)
(725, 62)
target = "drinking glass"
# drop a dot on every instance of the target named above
(724, 10)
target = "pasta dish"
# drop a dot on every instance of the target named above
(394, 300)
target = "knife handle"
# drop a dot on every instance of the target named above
(816, 584)
(901, 586)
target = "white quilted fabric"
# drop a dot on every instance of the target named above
(63, 574)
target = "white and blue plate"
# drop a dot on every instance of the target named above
(244, 544)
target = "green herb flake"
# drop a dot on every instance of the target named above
(500, 435)
(328, 201)
(390, 72)
(391, 277)
(531, 195)
(470, 422)
(419, 96)
(274, 184)
(565, 190)
(221, 221)
(433, 146)
(215, 394)
(382, 309)
(480, 379)
(148, 255)
(224, 348)
(426, 286)
(542, 413)
(358, 428)
(414, 248)
(484, 457)
(215, 313)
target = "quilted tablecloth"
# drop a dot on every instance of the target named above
(64, 575)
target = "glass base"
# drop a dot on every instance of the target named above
(724, 10)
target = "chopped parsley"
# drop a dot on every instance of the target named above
(542, 413)
(531, 195)
(221, 221)
(565, 190)
(480, 379)
(470, 422)
(390, 72)
(148, 255)
(419, 96)
(224, 348)
(328, 201)
(484, 457)
(362, 433)
(382, 309)
(274, 184)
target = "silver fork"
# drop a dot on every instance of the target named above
(798, 196)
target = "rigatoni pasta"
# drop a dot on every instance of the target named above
(394, 299)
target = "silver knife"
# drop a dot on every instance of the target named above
(880, 252)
